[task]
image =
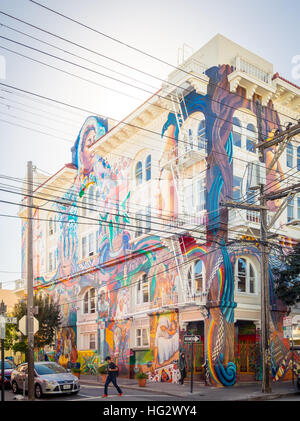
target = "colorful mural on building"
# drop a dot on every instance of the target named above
(100, 192)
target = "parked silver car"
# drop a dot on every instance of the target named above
(49, 378)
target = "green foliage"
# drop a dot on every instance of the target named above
(287, 278)
(49, 317)
(141, 375)
(102, 369)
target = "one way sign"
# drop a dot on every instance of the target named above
(192, 339)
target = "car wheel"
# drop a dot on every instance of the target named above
(38, 391)
(15, 387)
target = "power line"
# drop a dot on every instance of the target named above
(127, 45)
(169, 83)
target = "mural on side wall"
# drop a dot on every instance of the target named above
(102, 190)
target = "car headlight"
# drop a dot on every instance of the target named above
(51, 383)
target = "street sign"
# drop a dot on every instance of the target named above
(192, 339)
(287, 327)
(23, 325)
(12, 320)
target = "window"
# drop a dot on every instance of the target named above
(189, 197)
(245, 276)
(237, 130)
(298, 158)
(89, 301)
(52, 263)
(201, 195)
(142, 290)
(92, 341)
(84, 206)
(148, 220)
(148, 168)
(138, 224)
(83, 247)
(196, 278)
(201, 135)
(52, 225)
(289, 155)
(290, 210)
(91, 204)
(139, 173)
(91, 243)
(251, 138)
(237, 188)
(142, 337)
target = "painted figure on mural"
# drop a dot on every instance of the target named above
(166, 343)
(103, 309)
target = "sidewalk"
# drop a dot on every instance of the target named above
(240, 392)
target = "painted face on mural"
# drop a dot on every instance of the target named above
(88, 139)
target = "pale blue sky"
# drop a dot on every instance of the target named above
(267, 28)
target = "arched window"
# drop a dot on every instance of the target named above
(89, 301)
(196, 278)
(290, 155)
(298, 158)
(251, 137)
(191, 138)
(237, 132)
(139, 173)
(201, 135)
(245, 276)
(148, 168)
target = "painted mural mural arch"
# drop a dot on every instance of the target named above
(113, 269)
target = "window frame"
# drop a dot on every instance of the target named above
(90, 301)
(249, 280)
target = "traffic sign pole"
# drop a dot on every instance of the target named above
(192, 368)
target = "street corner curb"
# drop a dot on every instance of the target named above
(268, 396)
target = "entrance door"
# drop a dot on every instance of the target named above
(247, 353)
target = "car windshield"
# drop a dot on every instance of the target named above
(49, 368)
(8, 365)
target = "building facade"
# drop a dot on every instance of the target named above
(133, 239)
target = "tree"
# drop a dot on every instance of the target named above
(49, 317)
(287, 278)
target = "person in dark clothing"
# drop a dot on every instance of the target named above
(46, 358)
(111, 377)
(182, 365)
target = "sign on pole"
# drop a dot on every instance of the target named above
(12, 320)
(23, 325)
(2, 327)
(192, 339)
(287, 327)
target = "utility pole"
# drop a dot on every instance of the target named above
(2, 316)
(30, 284)
(265, 300)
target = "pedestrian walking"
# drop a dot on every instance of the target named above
(182, 365)
(46, 358)
(113, 372)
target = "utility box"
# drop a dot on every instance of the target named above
(256, 175)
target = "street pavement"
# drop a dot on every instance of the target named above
(92, 390)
